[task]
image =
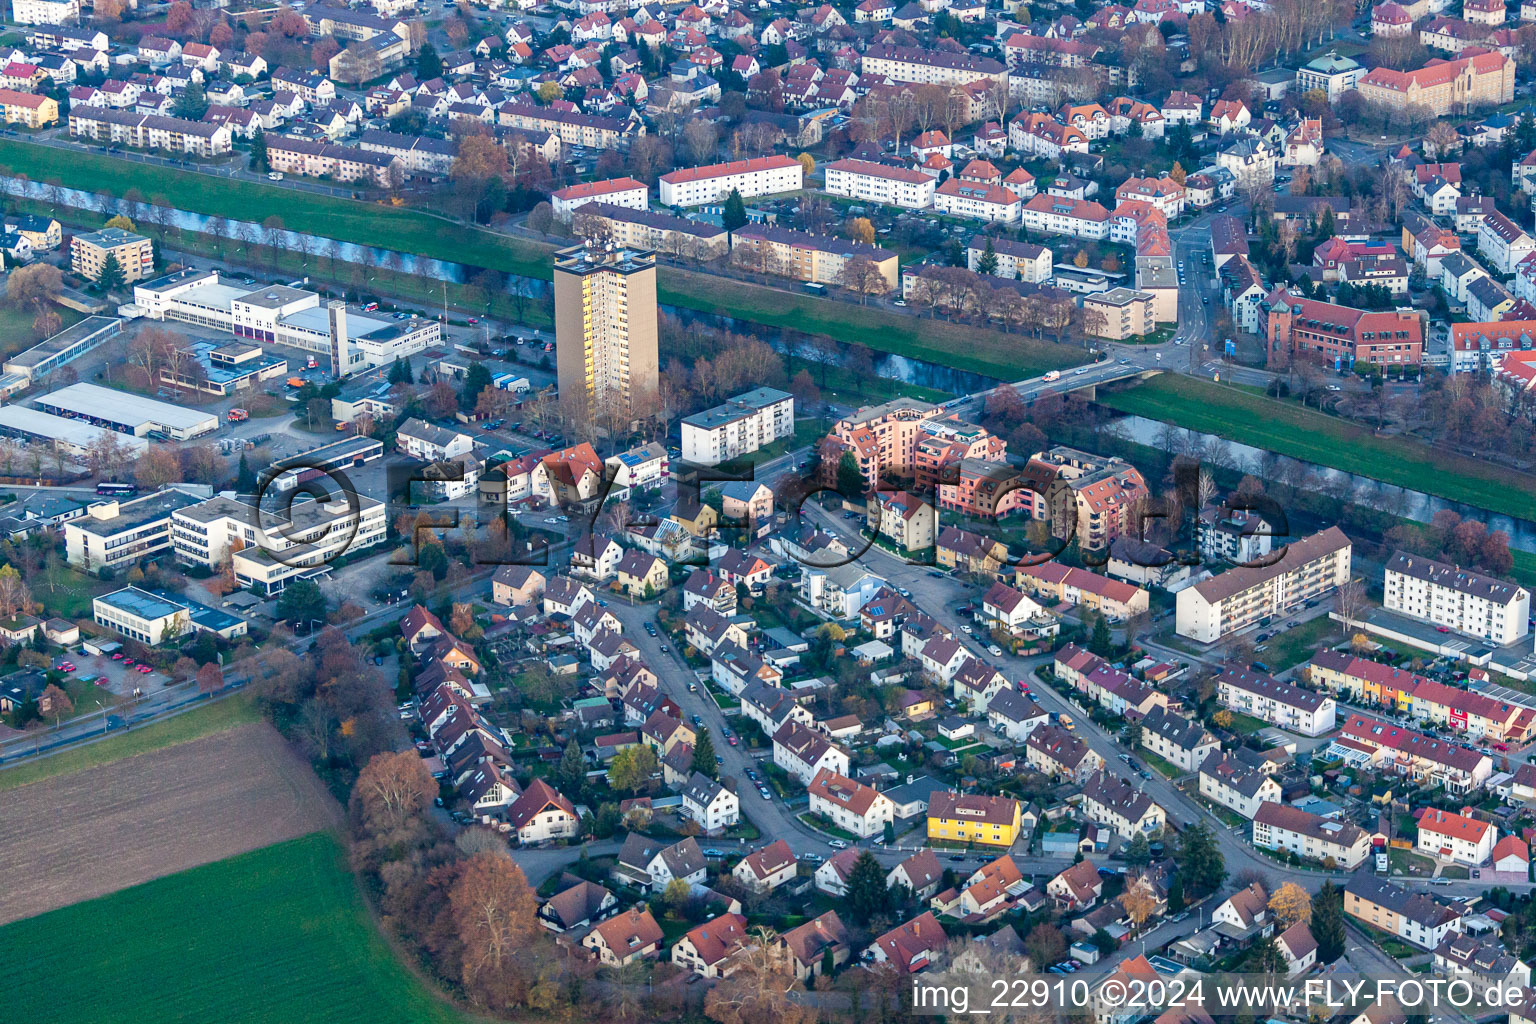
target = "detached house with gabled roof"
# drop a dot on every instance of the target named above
(768, 868)
(641, 575)
(913, 946)
(632, 935)
(1077, 888)
(704, 629)
(596, 556)
(803, 752)
(1015, 715)
(1232, 781)
(707, 588)
(650, 865)
(1115, 802)
(850, 805)
(977, 682)
(1180, 741)
(541, 814)
(772, 707)
(919, 873)
(661, 732)
(707, 950)
(707, 802)
(1052, 750)
(810, 943)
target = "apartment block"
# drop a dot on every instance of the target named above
(930, 67)
(759, 176)
(1280, 704)
(1022, 261)
(571, 128)
(655, 230)
(880, 437)
(739, 426)
(625, 192)
(871, 182)
(1307, 570)
(326, 160)
(135, 254)
(150, 131)
(606, 332)
(1126, 313)
(29, 109)
(1092, 498)
(817, 259)
(45, 12)
(1309, 836)
(1459, 599)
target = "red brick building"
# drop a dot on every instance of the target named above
(1340, 335)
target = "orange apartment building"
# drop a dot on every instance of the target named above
(905, 437)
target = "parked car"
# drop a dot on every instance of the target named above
(838, 844)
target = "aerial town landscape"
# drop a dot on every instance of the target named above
(730, 511)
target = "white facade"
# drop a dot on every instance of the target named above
(1459, 599)
(880, 183)
(45, 12)
(625, 192)
(738, 427)
(1280, 704)
(1454, 837)
(1309, 568)
(760, 176)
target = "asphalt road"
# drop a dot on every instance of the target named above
(938, 598)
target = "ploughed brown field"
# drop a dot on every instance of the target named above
(75, 837)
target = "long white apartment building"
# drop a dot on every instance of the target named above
(739, 426)
(1280, 704)
(930, 67)
(759, 176)
(351, 339)
(116, 534)
(1057, 215)
(1240, 597)
(625, 192)
(880, 183)
(267, 548)
(1459, 599)
(1023, 261)
(150, 131)
(45, 12)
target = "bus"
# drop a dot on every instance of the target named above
(116, 490)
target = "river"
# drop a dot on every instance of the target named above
(910, 371)
(1361, 490)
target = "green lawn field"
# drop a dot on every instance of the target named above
(988, 352)
(1288, 429)
(189, 725)
(277, 935)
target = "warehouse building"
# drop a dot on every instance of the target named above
(69, 344)
(71, 435)
(128, 413)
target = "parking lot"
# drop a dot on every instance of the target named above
(115, 675)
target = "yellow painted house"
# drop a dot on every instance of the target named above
(973, 818)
